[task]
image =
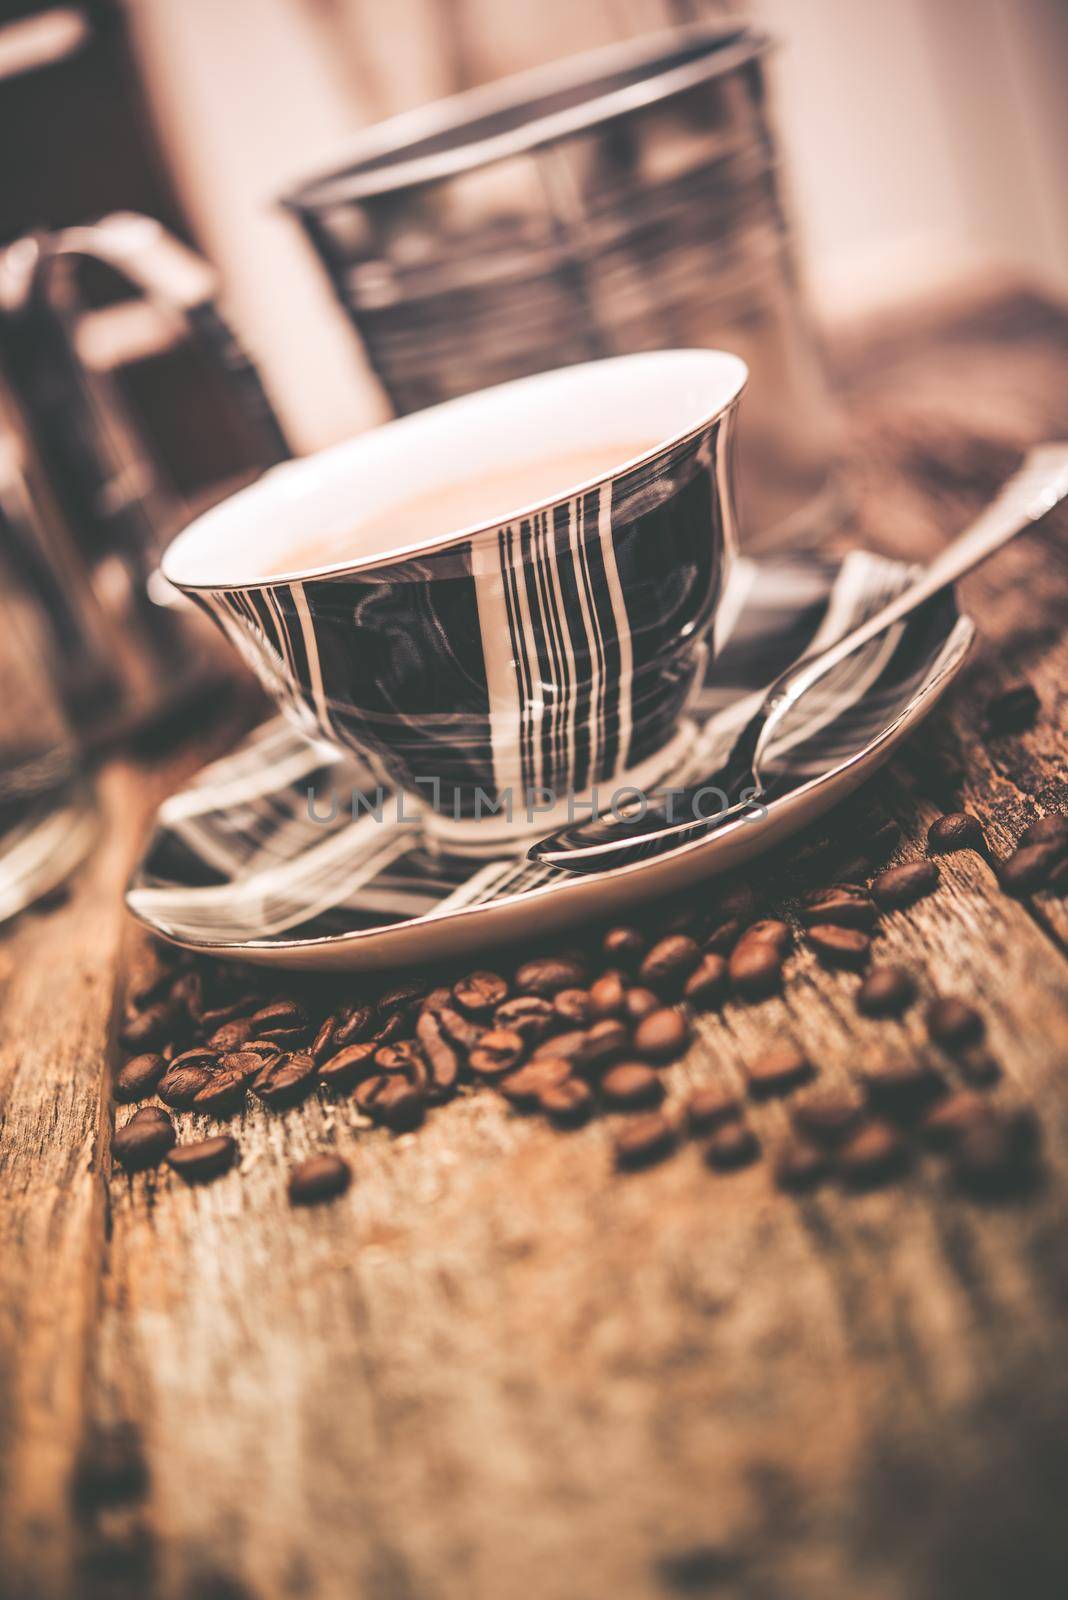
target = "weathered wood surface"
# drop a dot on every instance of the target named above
(496, 1368)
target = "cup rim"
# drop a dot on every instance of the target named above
(289, 475)
(367, 169)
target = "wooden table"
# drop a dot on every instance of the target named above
(496, 1368)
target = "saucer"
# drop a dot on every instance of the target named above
(281, 854)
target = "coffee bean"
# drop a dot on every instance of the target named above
(403, 997)
(798, 1167)
(565, 1045)
(710, 1105)
(179, 1086)
(567, 1104)
(736, 899)
(221, 1096)
(204, 1160)
(886, 992)
(403, 1056)
(723, 937)
(319, 1178)
(1013, 709)
(264, 1049)
(843, 905)
(879, 839)
(480, 993)
(246, 1062)
(903, 1088)
(602, 1044)
(355, 1026)
(442, 1056)
(198, 1056)
(640, 1003)
(151, 1027)
(286, 1080)
(663, 1035)
(826, 1114)
(944, 1123)
(143, 1142)
(755, 967)
(231, 1036)
(460, 1030)
(1052, 829)
(527, 1015)
(778, 1070)
(770, 931)
(978, 1065)
(1030, 868)
(607, 997)
(623, 947)
(953, 1023)
(643, 1141)
(957, 830)
(840, 947)
(731, 1146)
(546, 975)
(498, 1052)
(211, 1017)
(322, 1044)
(631, 1086)
(902, 886)
(870, 1156)
(525, 1087)
(150, 1114)
(572, 1007)
(139, 1077)
(391, 1100)
(283, 1013)
(669, 963)
(349, 1066)
(707, 984)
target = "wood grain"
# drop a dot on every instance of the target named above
(497, 1368)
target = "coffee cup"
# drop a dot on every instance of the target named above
(503, 602)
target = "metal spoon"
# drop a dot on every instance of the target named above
(614, 839)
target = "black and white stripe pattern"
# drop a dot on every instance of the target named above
(239, 855)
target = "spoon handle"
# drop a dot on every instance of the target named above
(1039, 484)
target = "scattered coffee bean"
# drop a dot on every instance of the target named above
(607, 997)
(498, 1052)
(643, 1141)
(139, 1077)
(247, 1061)
(231, 1036)
(221, 1096)
(349, 1066)
(902, 886)
(567, 1104)
(843, 905)
(460, 1030)
(546, 975)
(755, 967)
(827, 1114)
(602, 1044)
(198, 1056)
(404, 1056)
(1013, 709)
(624, 947)
(526, 1015)
(944, 1123)
(282, 1013)
(391, 1100)
(770, 930)
(640, 1003)
(572, 1007)
(205, 1159)
(480, 993)
(957, 830)
(880, 839)
(525, 1087)
(723, 937)
(395, 1025)
(322, 1044)
(710, 1105)
(903, 1088)
(669, 963)
(150, 1028)
(441, 1055)
(143, 1142)
(319, 1178)
(403, 997)
(565, 1045)
(286, 1080)
(954, 1024)
(707, 984)
(663, 1035)
(1030, 868)
(1052, 829)
(150, 1114)
(886, 992)
(732, 1145)
(179, 1086)
(978, 1065)
(778, 1070)
(798, 1167)
(631, 1086)
(840, 947)
(870, 1156)
(354, 1027)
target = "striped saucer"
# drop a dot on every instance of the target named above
(282, 854)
